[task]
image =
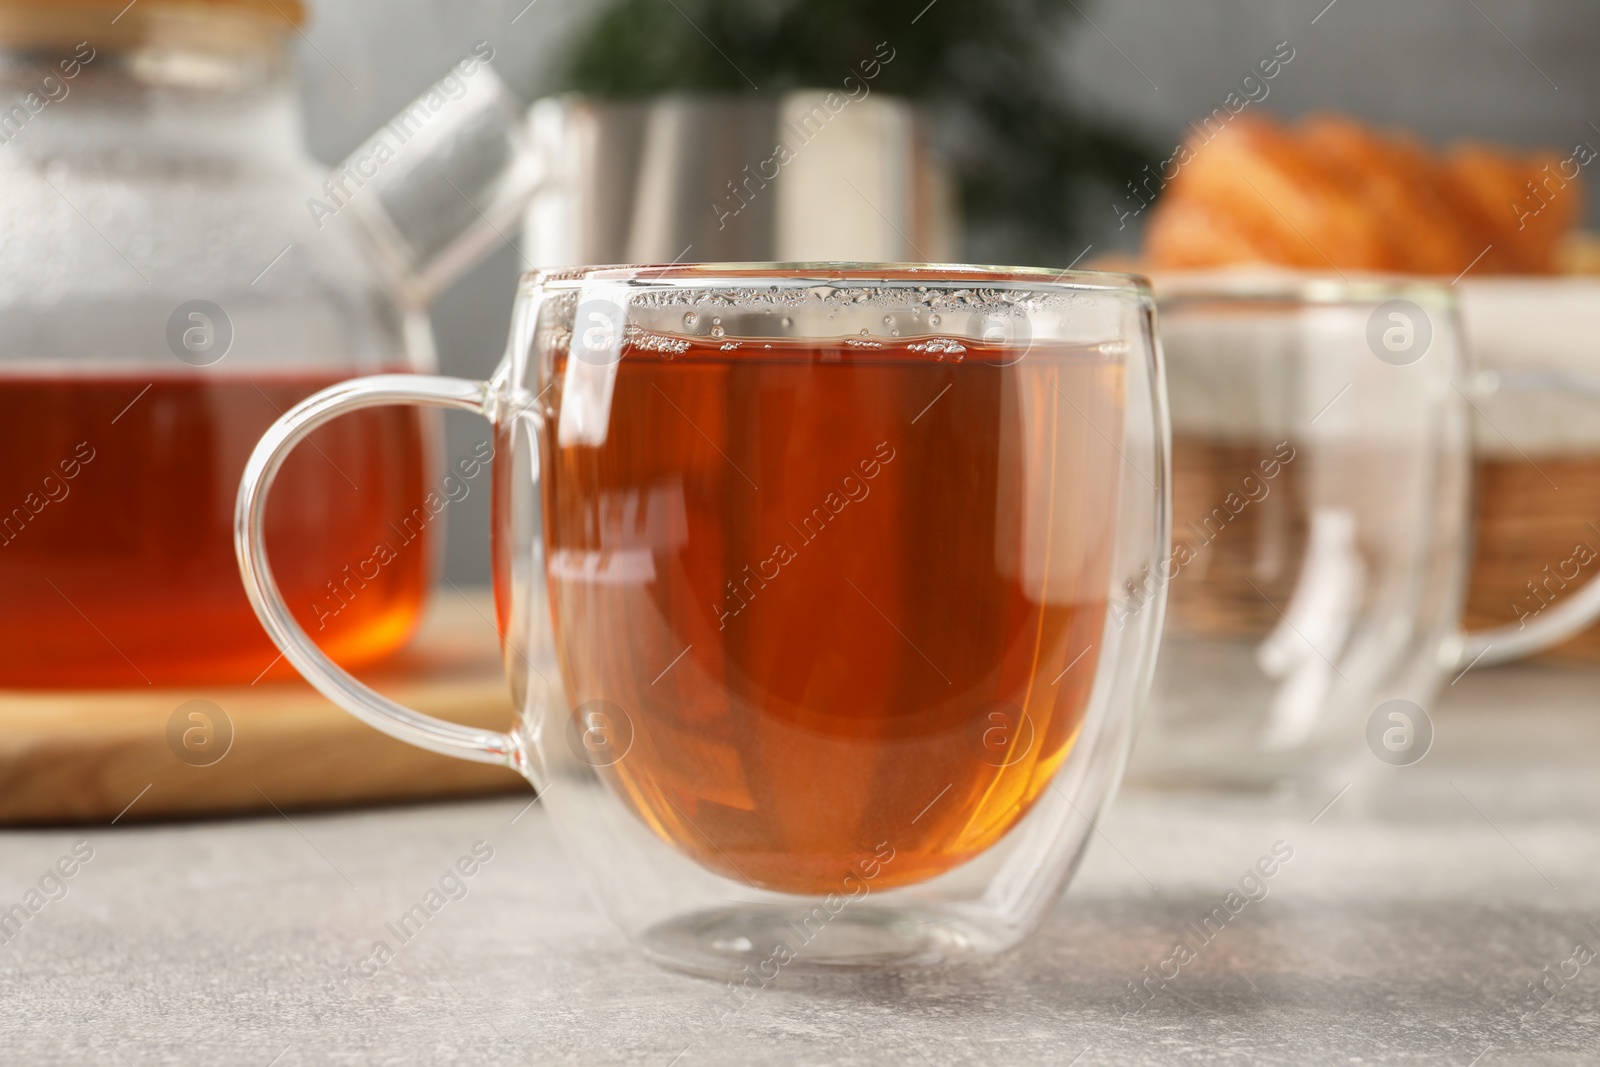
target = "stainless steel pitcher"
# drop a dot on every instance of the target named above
(808, 175)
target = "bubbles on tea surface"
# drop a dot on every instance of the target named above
(865, 332)
(942, 349)
(665, 347)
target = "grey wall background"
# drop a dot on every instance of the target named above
(1518, 71)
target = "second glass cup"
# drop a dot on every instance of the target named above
(819, 590)
(1322, 507)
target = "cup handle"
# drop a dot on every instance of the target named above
(249, 538)
(1576, 613)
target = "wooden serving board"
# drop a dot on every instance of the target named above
(96, 755)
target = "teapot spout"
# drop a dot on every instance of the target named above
(436, 188)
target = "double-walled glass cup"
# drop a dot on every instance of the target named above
(1322, 530)
(819, 589)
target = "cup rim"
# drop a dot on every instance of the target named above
(1282, 285)
(931, 275)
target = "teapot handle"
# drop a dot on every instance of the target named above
(1574, 614)
(249, 537)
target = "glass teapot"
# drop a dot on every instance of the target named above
(163, 298)
(176, 272)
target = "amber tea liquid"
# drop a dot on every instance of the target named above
(116, 527)
(836, 590)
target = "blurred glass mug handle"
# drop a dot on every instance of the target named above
(249, 534)
(1573, 614)
(430, 193)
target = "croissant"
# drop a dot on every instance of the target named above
(1330, 192)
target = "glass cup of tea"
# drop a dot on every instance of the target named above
(807, 580)
(1323, 459)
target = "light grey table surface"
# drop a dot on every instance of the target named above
(1407, 928)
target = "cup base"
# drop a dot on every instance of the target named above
(762, 942)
